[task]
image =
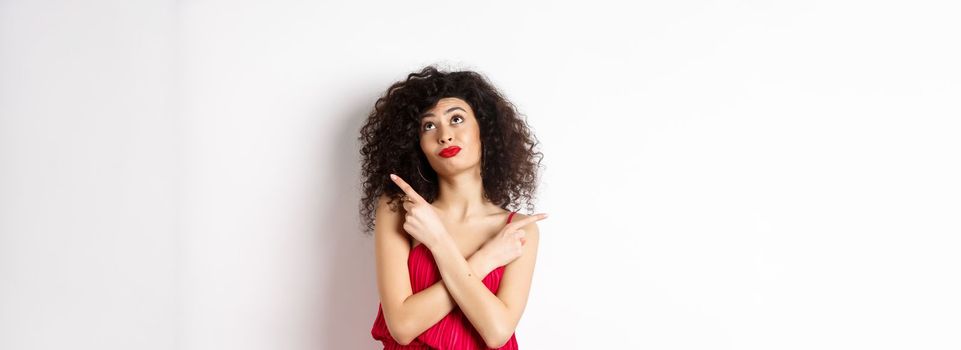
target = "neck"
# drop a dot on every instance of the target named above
(461, 196)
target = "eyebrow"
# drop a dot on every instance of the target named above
(428, 114)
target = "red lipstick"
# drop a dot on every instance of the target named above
(449, 151)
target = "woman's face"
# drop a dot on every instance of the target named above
(449, 125)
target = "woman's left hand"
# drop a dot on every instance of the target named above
(421, 221)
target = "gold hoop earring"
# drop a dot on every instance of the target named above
(422, 175)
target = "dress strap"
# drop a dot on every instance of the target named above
(509, 217)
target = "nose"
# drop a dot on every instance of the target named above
(445, 135)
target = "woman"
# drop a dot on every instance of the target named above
(454, 265)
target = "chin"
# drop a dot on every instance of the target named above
(453, 168)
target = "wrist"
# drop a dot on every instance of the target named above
(478, 261)
(439, 241)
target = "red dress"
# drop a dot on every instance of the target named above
(454, 331)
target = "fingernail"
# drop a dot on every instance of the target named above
(393, 177)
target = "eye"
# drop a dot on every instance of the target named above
(452, 119)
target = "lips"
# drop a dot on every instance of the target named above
(449, 151)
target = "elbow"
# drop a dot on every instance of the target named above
(400, 334)
(404, 341)
(497, 344)
(498, 339)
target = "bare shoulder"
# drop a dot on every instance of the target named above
(529, 228)
(383, 201)
(388, 219)
(386, 208)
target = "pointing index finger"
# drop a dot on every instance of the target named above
(404, 186)
(525, 221)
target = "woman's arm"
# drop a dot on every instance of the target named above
(408, 315)
(424, 309)
(494, 316)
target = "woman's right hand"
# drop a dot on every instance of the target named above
(506, 245)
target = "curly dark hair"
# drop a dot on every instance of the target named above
(509, 162)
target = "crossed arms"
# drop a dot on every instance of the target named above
(495, 316)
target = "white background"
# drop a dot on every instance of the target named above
(719, 174)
